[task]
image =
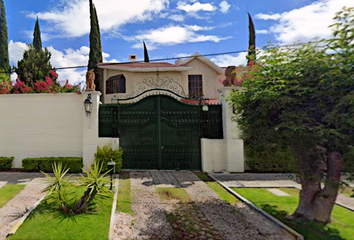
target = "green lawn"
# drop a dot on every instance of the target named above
(124, 202)
(341, 227)
(222, 193)
(9, 191)
(46, 223)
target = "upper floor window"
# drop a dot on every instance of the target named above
(115, 84)
(195, 86)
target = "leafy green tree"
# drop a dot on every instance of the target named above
(95, 55)
(146, 54)
(34, 66)
(4, 51)
(251, 42)
(304, 96)
(37, 42)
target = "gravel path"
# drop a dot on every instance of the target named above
(206, 217)
(13, 210)
(150, 218)
(227, 219)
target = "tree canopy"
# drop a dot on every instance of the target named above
(37, 42)
(304, 96)
(34, 66)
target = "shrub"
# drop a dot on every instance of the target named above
(6, 163)
(270, 158)
(74, 164)
(106, 154)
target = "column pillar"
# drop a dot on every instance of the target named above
(234, 144)
(90, 129)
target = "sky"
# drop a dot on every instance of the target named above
(170, 28)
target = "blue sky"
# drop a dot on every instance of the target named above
(170, 28)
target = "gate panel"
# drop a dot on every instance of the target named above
(138, 134)
(180, 136)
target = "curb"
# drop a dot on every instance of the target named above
(114, 206)
(270, 217)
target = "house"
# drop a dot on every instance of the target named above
(194, 77)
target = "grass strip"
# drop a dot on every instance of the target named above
(222, 193)
(124, 202)
(47, 222)
(167, 194)
(7, 192)
(341, 227)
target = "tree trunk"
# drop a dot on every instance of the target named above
(316, 203)
(85, 201)
(326, 199)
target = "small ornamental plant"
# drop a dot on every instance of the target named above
(48, 85)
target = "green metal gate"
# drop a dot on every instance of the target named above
(160, 132)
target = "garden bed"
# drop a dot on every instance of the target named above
(48, 222)
(341, 227)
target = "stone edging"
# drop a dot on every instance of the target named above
(276, 221)
(114, 205)
(23, 218)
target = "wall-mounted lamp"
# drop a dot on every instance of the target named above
(114, 100)
(88, 105)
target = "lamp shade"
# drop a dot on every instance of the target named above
(88, 104)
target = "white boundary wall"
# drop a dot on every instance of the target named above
(224, 154)
(48, 125)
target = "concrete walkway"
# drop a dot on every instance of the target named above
(272, 180)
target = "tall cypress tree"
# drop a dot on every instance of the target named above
(95, 56)
(4, 50)
(252, 41)
(146, 55)
(37, 42)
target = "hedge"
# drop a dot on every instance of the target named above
(74, 164)
(6, 163)
(270, 158)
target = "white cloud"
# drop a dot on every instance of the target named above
(224, 7)
(195, 7)
(67, 58)
(229, 60)
(304, 24)
(16, 50)
(171, 35)
(268, 16)
(177, 18)
(262, 31)
(71, 18)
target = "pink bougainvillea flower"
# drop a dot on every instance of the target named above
(53, 73)
(49, 80)
(54, 92)
(4, 90)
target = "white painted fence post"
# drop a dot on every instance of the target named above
(234, 145)
(90, 129)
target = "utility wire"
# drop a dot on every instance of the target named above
(175, 58)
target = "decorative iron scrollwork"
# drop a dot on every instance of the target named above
(159, 83)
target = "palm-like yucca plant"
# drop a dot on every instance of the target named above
(58, 182)
(94, 184)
